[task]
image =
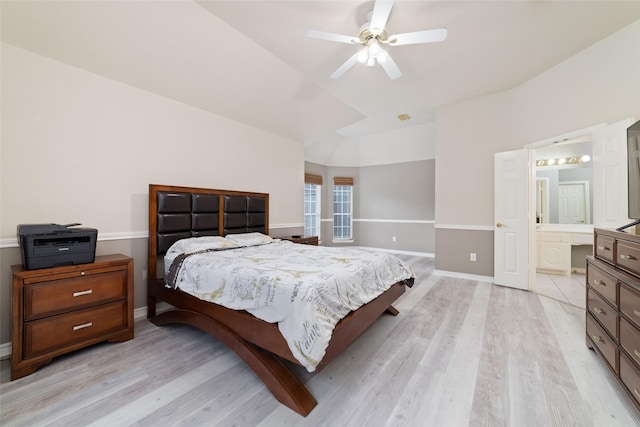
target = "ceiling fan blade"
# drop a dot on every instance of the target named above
(332, 37)
(381, 10)
(426, 36)
(346, 66)
(390, 67)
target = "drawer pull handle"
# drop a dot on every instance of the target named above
(598, 310)
(84, 325)
(602, 248)
(80, 293)
(636, 312)
(635, 390)
(627, 257)
(596, 338)
(636, 352)
(599, 282)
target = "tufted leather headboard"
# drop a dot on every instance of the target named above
(180, 212)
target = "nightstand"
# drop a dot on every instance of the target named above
(305, 240)
(61, 309)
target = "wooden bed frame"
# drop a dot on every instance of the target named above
(181, 212)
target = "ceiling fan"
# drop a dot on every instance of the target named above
(372, 35)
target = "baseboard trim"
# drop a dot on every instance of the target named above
(396, 251)
(5, 351)
(141, 312)
(478, 278)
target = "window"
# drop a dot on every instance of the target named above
(312, 192)
(342, 208)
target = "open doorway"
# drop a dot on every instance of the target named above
(609, 200)
(563, 231)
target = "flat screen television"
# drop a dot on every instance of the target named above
(633, 173)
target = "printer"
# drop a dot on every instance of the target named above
(52, 245)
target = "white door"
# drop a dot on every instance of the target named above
(610, 175)
(572, 203)
(511, 231)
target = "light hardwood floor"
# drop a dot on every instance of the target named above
(459, 353)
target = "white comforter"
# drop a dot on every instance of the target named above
(305, 289)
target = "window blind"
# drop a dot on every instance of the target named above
(338, 180)
(310, 178)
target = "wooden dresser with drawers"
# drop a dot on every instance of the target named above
(613, 306)
(61, 309)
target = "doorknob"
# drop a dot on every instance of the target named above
(499, 224)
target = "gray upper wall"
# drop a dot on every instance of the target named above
(393, 204)
(404, 191)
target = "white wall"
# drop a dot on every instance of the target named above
(467, 135)
(77, 147)
(600, 84)
(406, 144)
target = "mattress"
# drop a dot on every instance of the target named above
(305, 289)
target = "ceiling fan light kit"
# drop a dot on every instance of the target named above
(372, 35)
(372, 54)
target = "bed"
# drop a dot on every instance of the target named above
(179, 214)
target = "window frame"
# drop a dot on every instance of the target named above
(317, 213)
(342, 218)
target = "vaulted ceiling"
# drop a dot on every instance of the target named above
(251, 61)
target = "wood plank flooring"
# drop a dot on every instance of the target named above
(460, 353)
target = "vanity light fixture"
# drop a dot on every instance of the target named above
(564, 161)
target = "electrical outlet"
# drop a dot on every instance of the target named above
(472, 256)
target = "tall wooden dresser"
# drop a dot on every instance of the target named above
(61, 309)
(613, 306)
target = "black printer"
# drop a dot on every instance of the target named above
(51, 245)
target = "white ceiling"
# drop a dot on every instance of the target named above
(251, 60)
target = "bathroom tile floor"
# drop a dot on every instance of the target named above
(569, 289)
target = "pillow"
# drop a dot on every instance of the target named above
(194, 244)
(249, 239)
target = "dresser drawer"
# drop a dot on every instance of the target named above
(628, 255)
(603, 341)
(602, 283)
(55, 332)
(46, 298)
(630, 377)
(630, 340)
(602, 311)
(630, 304)
(604, 248)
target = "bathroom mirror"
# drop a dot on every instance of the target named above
(564, 190)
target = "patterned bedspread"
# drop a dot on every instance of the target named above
(305, 289)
